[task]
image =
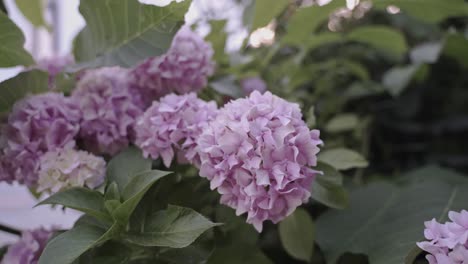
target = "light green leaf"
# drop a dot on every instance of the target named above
(81, 199)
(384, 221)
(227, 86)
(343, 159)
(217, 38)
(124, 32)
(456, 46)
(12, 52)
(112, 192)
(67, 247)
(342, 123)
(383, 38)
(328, 188)
(306, 21)
(266, 10)
(432, 11)
(426, 52)
(321, 39)
(25, 83)
(33, 10)
(176, 227)
(398, 78)
(297, 234)
(123, 167)
(134, 192)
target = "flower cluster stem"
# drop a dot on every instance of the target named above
(9, 230)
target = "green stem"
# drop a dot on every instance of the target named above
(10, 230)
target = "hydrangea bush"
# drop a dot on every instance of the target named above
(177, 152)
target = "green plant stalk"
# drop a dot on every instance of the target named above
(10, 230)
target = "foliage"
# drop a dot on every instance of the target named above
(386, 88)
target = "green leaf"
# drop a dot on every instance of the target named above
(134, 192)
(321, 39)
(217, 38)
(112, 192)
(342, 123)
(124, 32)
(432, 11)
(398, 78)
(123, 167)
(68, 246)
(33, 10)
(227, 86)
(383, 38)
(307, 20)
(176, 227)
(384, 221)
(328, 188)
(266, 10)
(25, 83)
(12, 52)
(81, 199)
(297, 234)
(343, 159)
(456, 46)
(426, 52)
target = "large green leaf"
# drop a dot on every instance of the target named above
(383, 38)
(297, 233)
(343, 159)
(124, 32)
(456, 46)
(342, 122)
(127, 164)
(176, 227)
(33, 10)
(25, 83)
(134, 192)
(307, 20)
(12, 52)
(328, 187)
(67, 247)
(266, 10)
(397, 79)
(81, 199)
(428, 10)
(384, 221)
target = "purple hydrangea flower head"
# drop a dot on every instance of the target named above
(29, 248)
(184, 68)
(65, 168)
(110, 108)
(447, 243)
(257, 153)
(253, 84)
(37, 124)
(171, 126)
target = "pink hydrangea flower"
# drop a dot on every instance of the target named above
(65, 168)
(171, 126)
(184, 68)
(447, 243)
(258, 154)
(37, 124)
(29, 248)
(110, 108)
(253, 84)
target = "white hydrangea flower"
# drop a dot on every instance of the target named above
(67, 167)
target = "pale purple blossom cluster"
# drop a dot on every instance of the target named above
(171, 126)
(67, 167)
(110, 108)
(258, 154)
(29, 248)
(36, 125)
(183, 69)
(447, 243)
